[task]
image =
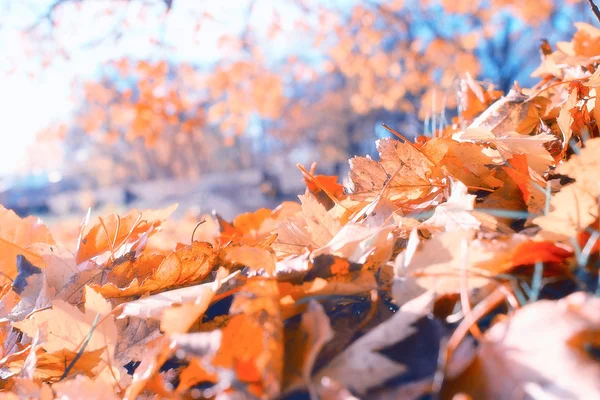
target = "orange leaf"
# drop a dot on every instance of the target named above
(16, 235)
(113, 232)
(530, 252)
(188, 264)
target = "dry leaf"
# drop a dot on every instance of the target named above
(184, 266)
(114, 233)
(349, 368)
(454, 214)
(542, 351)
(16, 235)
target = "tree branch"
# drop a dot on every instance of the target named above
(595, 9)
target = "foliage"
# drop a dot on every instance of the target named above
(485, 233)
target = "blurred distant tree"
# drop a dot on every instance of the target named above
(349, 66)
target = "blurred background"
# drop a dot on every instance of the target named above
(211, 104)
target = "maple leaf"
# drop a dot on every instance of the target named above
(324, 186)
(178, 309)
(187, 265)
(113, 235)
(539, 352)
(451, 260)
(257, 259)
(303, 348)
(509, 143)
(584, 167)
(252, 341)
(363, 355)
(312, 227)
(16, 235)
(465, 161)
(52, 366)
(454, 214)
(361, 244)
(474, 99)
(408, 169)
(82, 387)
(321, 225)
(64, 327)
(575, 207)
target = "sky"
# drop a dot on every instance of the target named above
(32, 97)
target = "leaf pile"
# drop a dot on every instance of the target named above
(460, 264)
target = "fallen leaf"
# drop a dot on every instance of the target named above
(16, 235)
(454, 214)
(303, 348)
(189, 264)
(83, 388)
(539, 352)
(349, 368)
(252, 342)
(66, 328)
(113, 233)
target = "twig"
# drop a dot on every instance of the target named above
(110, 242)
(595, 9)
(196, 227)
(464, 292)
(82, 349)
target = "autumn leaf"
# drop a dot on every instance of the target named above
(452, 260)
(508, 113)
(82, 387)
(189, 264)
(177, 309)
(474, 99)
(16, 235)
(113, 234)
(408, 169)
(253, 257)
(303, 348)
(65, 328)
(454, 214)
(361, 244)
(509, 143)
(541, 351)
(363, 355)
(52, 366)
(252, 341)
(320, 224)
(575, 207)
(465, 161)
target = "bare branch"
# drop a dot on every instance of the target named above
(595, 9)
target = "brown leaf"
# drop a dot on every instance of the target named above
(408, 169)
(539, 352)
(447, 260)
(113, 233)
(189, 264)
(16, 235)
(66, 328)
(349, 367)
(302, 350)
(83, 388)
(252, 342)
(177, 309)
